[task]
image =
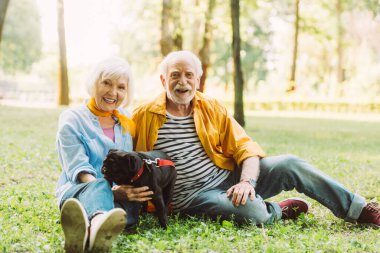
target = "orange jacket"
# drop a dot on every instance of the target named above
(224, 140)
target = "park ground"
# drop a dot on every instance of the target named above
(345, 147)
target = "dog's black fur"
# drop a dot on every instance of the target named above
(120, 167)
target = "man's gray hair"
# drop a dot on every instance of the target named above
(181, 54)
(111, 68)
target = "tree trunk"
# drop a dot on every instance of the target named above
(63, 83)
(292, 80)
(238, 75)
(3, 11)
(204, 53)
(196, 28)
(177, 25)
(166, 37)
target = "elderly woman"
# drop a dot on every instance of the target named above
(85, 135)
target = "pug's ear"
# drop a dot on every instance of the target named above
(127, 154)
(132, 162)
(112, 150)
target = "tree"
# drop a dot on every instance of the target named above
(255, 37)
(144, 50)
(166, 37)
(21, 43)
(177, 23)
(196, 27)
(292, 80)
(255, 31)
(172, 32)
(63, 83)
(238, 75)
(3, 12)
(204, 52)
(171, 29)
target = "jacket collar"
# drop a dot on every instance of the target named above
(159, 104)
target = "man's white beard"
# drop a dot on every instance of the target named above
(180, 87)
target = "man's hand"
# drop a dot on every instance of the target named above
(240, 193)
(130, 193)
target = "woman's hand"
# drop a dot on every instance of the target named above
(130, 193)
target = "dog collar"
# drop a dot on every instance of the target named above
(138, 174)
(157, 161)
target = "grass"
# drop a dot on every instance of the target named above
(347, 150)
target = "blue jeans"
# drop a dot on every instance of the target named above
(97, 197)
(277, 174)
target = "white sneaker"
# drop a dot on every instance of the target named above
(105, 228)
(74, 224)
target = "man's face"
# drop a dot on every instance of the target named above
(181, 81)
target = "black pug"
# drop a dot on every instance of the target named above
(153, 169)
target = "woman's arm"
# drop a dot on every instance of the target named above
(71, 150)
(85, 177)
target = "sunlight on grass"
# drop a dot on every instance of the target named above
(346, 150)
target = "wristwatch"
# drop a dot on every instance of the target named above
(251, 181)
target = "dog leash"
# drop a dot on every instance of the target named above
(158, 162)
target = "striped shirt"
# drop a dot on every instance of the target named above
(195, 170)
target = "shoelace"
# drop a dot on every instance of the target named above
(374, 207)
(288, 211)
(286, 208)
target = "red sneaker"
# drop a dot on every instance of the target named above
(370, 215)
(293, 207)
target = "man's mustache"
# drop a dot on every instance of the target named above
(181, 86)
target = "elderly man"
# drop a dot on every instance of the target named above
(221, 171)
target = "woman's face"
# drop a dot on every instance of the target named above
(110, 93)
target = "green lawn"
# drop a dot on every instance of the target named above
(347, 150)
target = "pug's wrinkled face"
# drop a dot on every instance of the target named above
(120, 166)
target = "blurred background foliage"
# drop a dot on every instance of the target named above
(338, 51)
(21, 44)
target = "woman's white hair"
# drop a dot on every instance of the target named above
(181, 54)
(111, 68)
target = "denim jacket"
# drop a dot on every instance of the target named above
(82, 146)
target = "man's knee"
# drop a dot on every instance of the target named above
(254, 211)
(216, 204)
(288, 164)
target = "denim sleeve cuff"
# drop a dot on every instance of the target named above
(356, 207)
(277, 210)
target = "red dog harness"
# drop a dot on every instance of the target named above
(158, 162)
